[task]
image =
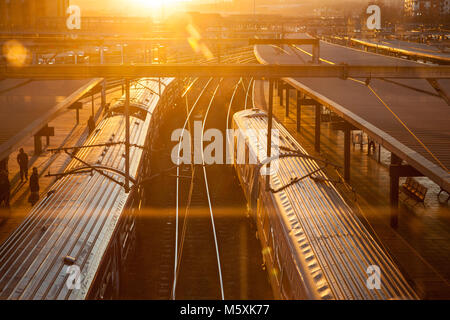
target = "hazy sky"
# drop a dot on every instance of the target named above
(138, 6)
(153, 7)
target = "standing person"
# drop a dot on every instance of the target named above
(5, 188)
(4, 164)
(34, 187)
(22, 159)
(91, 124)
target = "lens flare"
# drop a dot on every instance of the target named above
(15, 53)
(195, 41)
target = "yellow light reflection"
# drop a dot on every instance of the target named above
(16, 54)
(195, 41)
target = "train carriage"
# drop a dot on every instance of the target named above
(75, 241)
(314, 246)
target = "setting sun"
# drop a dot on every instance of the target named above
(159, 3)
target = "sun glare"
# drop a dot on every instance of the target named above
(155, 4)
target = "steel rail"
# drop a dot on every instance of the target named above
(208, 194)
(248, 90)
(177, 188)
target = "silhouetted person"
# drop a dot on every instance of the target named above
(34, 187)
(107, 108)
(4, 164)
(22, 159)
(5, 188)
(91, 124)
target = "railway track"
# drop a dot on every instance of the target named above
(199, 249)
(206, 265)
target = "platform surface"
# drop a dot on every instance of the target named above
(26, 106)
(407, 117)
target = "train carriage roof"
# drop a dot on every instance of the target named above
(332, 246)
(75, 223)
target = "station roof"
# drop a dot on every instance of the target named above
(407, 117)
(26, 106)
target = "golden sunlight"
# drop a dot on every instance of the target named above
(153, 4)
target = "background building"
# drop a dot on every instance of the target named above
(414, 8)
(24, 15)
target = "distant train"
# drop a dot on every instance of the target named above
(314, 246)
(75, 242)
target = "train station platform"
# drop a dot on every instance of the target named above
(30, 105)
(68, 133)
(420, 244)
(409, 118)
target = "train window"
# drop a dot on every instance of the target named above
(235, 149)
(255, 188)
(250, 177)
(259, 212)
(247, 153)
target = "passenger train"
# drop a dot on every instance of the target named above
(75, 242)
(314, 246)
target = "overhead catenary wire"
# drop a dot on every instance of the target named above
(247, 91)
